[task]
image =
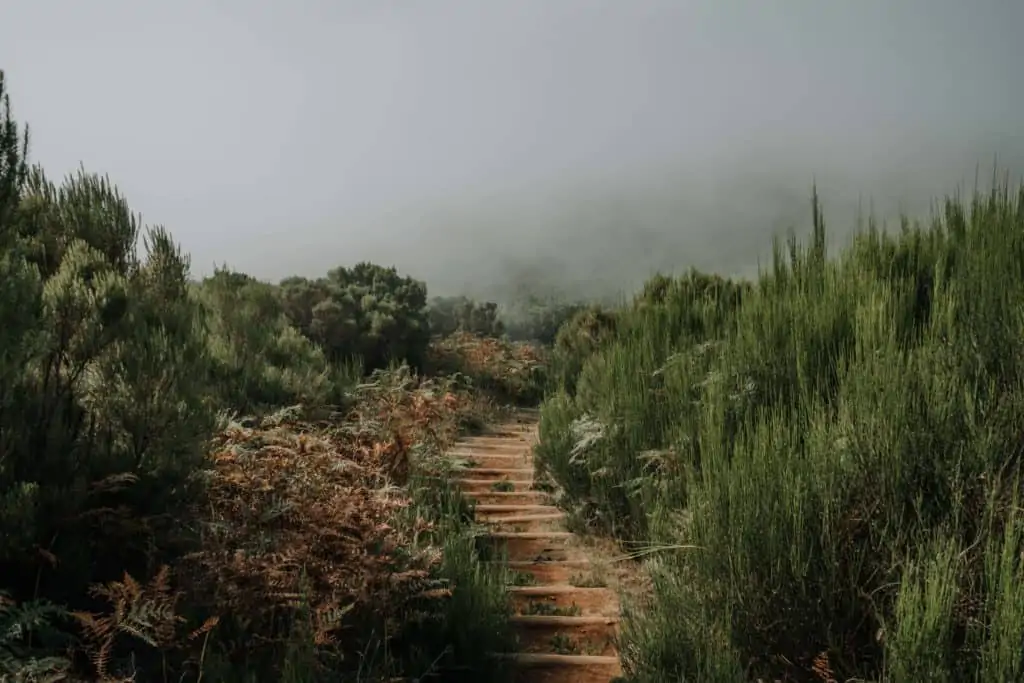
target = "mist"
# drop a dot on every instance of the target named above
(562, 146)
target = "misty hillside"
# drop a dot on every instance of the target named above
(455, 341)
(606, 236)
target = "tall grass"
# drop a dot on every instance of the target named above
(823, 463)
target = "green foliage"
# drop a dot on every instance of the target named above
(260, 360)
(823, 463)
(114, 369)
(449, 315)
(368, 312)
(537, 319)
(505, 371)
(104, 401)
(586, 332)
(28, 639)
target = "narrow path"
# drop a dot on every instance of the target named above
(565, 616)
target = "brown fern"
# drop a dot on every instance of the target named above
(142, 612)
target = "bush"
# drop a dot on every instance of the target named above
(146, 536)
(536, 319)
(505, 371)
(367, 312)
(104, 402)
(449, 315)
(259, 360)
(825, 463)
(579, 338)
(345, 538)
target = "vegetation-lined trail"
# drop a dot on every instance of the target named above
(566, 619)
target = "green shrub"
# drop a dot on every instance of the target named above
(449, 315)
(504, 371)
(104, 401)
(536, 319)
(367, 312)
(124, 525)
(260, 360)
(824, 462)
(586, 332)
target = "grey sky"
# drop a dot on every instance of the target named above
(472, 141)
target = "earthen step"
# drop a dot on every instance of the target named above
(498, 473)
(499, 510)
(534, 523)
(464, 449)
(551, 572)
(595, 635)
(566, 633)
(551, 668)
(471, 485)
(537, 546)
(478, 459)
(564, 599)
(510, 498)
(497, 444)
(519, 438)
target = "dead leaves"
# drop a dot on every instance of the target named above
(305, 516)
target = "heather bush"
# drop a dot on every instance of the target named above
(452, 314)
(104, 401)
(537, 319)
(579, 338)
(504, 371)
(824, 464)
(260, 359)
(367, 312)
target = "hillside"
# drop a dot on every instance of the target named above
(229, 479)
(811, 475)
(818, 469)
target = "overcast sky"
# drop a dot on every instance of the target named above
(471, 141)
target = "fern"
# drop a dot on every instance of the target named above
(28, 639)
(143, 612)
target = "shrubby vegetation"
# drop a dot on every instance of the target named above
(260, 359)
(242, 481)
(536, 318)
(198, 480)
(367, 313)
(822, 467)
(511, 372)
(452, 314)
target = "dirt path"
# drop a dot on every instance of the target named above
(566, 616)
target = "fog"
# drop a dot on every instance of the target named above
(490, 145)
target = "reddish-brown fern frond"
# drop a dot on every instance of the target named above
(144, 612)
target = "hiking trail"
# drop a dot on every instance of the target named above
(565, 615)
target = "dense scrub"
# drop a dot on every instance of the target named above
(822, 466)
(537, 319)
(509, 372)
(367, 313)
(259, 359)
(148, 531)
(579, 337)
(452, 314)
